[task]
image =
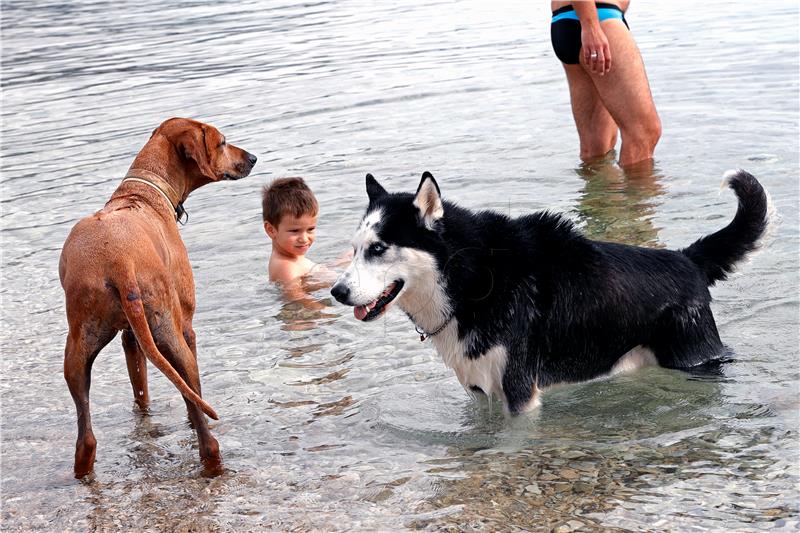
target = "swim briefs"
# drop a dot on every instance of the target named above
(565, 30)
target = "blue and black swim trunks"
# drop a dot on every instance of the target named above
(565, 30)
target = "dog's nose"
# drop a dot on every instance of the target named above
(340, 292)
(251, 159)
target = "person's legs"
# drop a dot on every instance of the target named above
(625, 92)
(597, 131)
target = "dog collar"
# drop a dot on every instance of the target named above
(155, 181)
(424, 334)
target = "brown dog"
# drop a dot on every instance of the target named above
(126, 268)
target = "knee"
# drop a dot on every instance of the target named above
(653, 130)
(647, 132)
(598, 145)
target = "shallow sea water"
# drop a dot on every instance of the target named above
(329, 424)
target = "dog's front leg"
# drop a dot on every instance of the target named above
(519, 376)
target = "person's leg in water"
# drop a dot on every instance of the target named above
(625, 93)
(597, 130)
(617, 98)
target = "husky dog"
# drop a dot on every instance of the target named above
(515, 305)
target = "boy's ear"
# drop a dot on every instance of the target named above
(374, 189)
(429, 200)
(271, 230)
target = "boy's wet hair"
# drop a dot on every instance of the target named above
(287, 196)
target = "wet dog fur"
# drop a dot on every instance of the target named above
(515, 305)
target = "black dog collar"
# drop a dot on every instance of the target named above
(424, 334)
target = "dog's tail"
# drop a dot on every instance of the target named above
(718, 253)
(131, 302)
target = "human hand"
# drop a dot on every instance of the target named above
(595, 50)
(344, 259)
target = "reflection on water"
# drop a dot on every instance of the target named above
(619, 205)
(327, 423)
(304, 315)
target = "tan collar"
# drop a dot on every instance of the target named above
(159, 184)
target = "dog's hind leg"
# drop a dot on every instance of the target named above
(84, 342)
(137, 369)
(687, 338)
(183, 359)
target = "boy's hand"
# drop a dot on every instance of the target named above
(344, 259)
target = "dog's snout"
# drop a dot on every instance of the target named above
(243, 166)
(341, 293)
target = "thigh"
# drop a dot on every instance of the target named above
(588, 108)
(624, 90)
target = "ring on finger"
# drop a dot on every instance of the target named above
(593, 55)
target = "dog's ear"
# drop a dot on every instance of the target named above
(374, 189)
(191, 144)
(429, 200)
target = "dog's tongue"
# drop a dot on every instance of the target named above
(360, 311)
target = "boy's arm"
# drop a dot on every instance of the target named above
(324, 275)
(293, 291)
(344, 259)
(286, 274)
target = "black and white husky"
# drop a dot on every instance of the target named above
(515, 305)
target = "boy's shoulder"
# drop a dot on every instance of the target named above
(284, 270)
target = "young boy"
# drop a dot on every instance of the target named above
(289, 211)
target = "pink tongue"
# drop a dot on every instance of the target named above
(360, 311)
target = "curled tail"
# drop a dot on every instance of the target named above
(718, 253)
(134, 311)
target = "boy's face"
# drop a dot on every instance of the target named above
(294, 235)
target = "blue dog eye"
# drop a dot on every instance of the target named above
(377, 248)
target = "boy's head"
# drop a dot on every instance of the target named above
(289, 211)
